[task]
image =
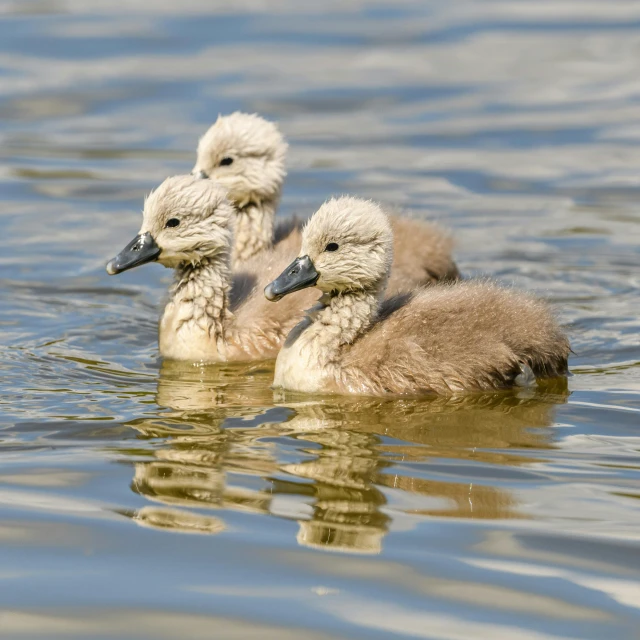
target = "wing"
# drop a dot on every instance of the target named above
(422, 254)
(289, 231)
(266, 322)
(464, 336)
(246, 281)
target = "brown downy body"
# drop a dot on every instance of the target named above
(463, 336)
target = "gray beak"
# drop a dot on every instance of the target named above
(140, 250)
(300, 274)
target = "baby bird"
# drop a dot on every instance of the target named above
(442, 339)
(187, 226)
(246, 154)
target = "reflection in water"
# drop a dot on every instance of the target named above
(218, 452)
(516, 125)
(177, 520)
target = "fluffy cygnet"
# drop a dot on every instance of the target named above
(444, 339)
(247, 153)
(187, 226)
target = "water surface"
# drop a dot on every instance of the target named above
(144, 499)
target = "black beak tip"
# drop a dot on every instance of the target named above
(112, 268)
(300, 274)
(140, 250)
(271, 294)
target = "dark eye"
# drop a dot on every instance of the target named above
(172, 222)
(332, 246)
(225, 162)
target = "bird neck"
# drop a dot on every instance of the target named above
(254, 229)
(343, 317)
(199, 302)
(312, 355)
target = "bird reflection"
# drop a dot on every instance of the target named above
(185, 521)
(340, 467)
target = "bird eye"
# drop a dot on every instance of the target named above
(225, 162)
(172, 222)
(332, 246)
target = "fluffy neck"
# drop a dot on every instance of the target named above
(341, 318)
(311, 358)
(254, 229)
(197, 315)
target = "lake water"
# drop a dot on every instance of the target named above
(142, 499)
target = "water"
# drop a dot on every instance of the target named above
(143, 499)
